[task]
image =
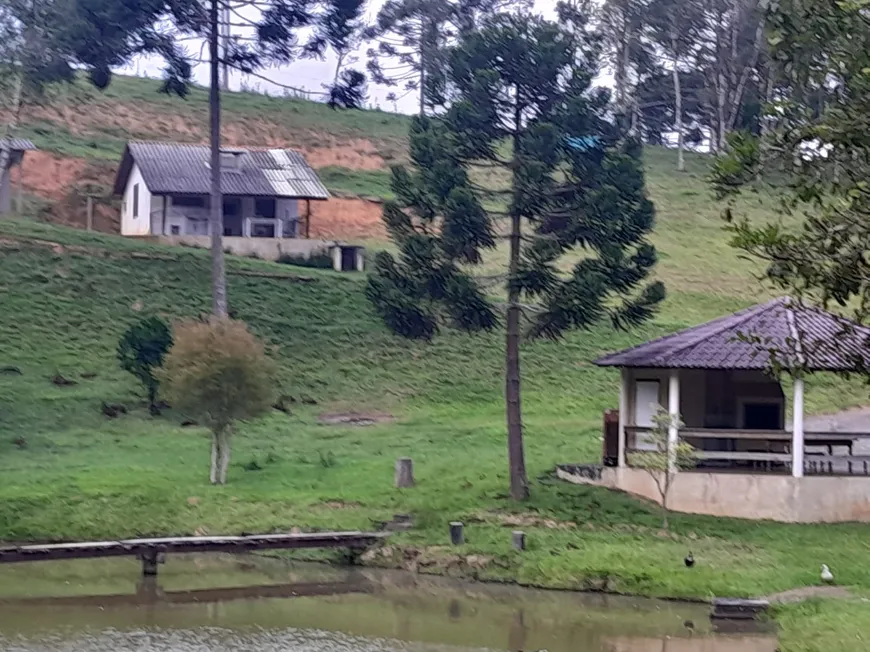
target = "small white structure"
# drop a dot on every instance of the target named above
(266, 200)
(17, 147)
(751, 459)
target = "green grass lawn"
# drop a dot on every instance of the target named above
(68, 472)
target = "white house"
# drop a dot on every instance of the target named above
(166, 186)
(266, 201)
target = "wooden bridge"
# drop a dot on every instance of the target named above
(150, 551)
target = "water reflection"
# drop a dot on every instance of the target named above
(220, 604)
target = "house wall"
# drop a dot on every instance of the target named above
(266, 248)
(815, 499)
(141, 223)
(742, 643)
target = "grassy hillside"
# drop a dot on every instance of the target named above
(69, 472)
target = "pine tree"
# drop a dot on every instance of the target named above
(522, 103)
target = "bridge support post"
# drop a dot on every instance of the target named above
(149, 563)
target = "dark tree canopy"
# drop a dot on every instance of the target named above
(817, 156)
(141, 351)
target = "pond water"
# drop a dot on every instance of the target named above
(216, 603)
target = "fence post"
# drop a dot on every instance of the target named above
(90, 214)
(457, 536)
(518, 539)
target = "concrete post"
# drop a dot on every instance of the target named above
(623, 415)
(457, 536)
(404, 473)
(149, 563)
(674, 413)
(5, 190)
(797, 433)
(90, 214)
(518, 540)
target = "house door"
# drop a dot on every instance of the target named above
(646, 404)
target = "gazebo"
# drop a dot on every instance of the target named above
(717, 379)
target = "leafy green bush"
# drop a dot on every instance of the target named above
(317, 260)
(217, 373)
(141, 351)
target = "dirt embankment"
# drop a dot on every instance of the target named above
(346, 219)
(61, 179)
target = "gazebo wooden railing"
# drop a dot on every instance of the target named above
(771, 449)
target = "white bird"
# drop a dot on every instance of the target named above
(827, 575)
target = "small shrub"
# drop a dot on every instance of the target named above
(141, 351)
(218, 374)
(327, 460)
(252, 465)
(318, 260)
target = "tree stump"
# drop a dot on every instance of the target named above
(457, 535)
(518, 539)
(404, 473)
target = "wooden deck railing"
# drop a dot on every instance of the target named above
(771, 449)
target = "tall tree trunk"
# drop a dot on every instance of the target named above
(766, 118)
(424, 34)
(218, 269)
(224, 457)
(215, 457)
(225, 45)
(513, 405)
(678, 106)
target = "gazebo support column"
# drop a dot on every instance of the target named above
(797, 431)
(674, 414)
(623, 415)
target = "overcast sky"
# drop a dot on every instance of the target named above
(309, 74)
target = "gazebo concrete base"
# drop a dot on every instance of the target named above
(815, 499)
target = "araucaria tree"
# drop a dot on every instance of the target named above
(522, 105)
(218, 374)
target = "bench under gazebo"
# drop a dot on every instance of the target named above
(716, 378)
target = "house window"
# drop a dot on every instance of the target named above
(135, 200)
(232, 207)
(265, 207)
(175, 229)
(262, 230)
(189, 202)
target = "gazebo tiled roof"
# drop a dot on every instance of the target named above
(801, 337)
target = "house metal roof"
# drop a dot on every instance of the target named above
(175, 168)
(20, 144)
(796, 335)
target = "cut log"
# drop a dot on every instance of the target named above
(404, 473)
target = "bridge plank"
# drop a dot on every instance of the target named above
(92, 549)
